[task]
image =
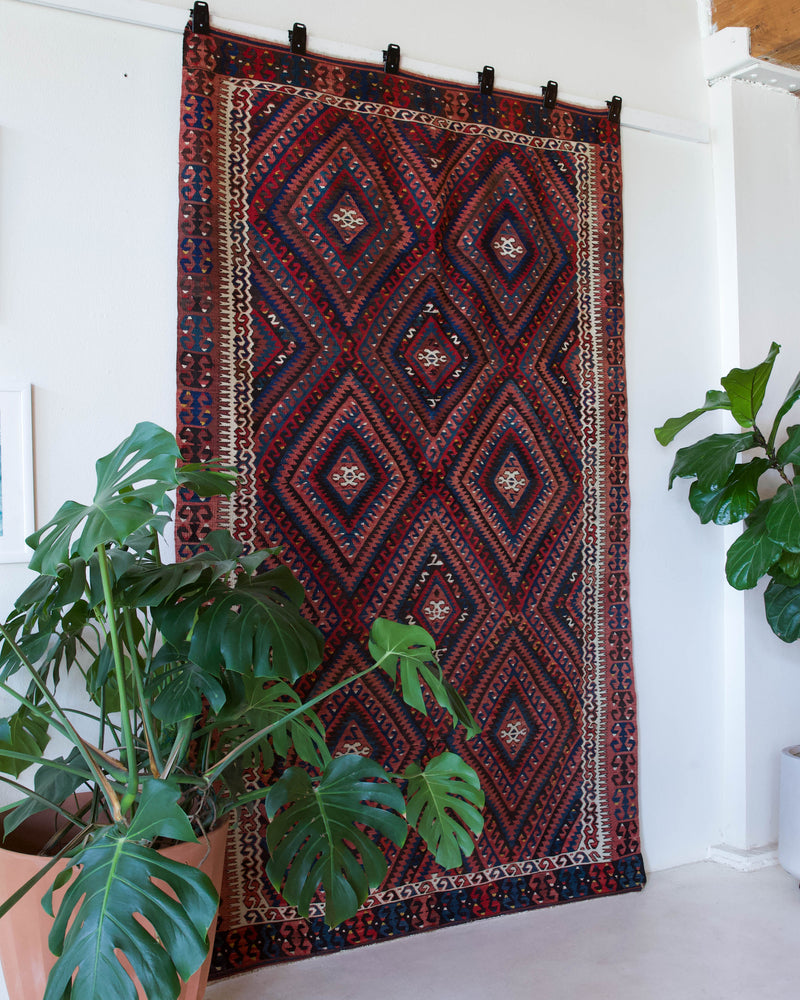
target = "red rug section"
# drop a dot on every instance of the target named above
(401, 316)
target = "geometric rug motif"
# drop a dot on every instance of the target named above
(401, 317)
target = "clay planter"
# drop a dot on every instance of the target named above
(24, 954)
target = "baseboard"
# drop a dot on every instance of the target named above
(744, 861)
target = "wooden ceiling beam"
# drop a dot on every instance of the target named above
(789, 55)
(774, 26)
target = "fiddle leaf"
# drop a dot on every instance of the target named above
(783, 519)
(782, 605)
(753, 552)
(746, 387)
(710, 460)
(715, 400)
(732, 501)
(792, 396)
(789, 563)
(789, 451)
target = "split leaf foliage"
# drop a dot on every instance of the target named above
(189, 672)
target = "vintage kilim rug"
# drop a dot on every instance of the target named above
(401, 315)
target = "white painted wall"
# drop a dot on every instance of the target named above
(757, 166)
(88, 152)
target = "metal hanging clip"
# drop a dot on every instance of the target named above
(550, 94)
(486, 80)
(391, 58)
(297, 39)
(614, 110)
(200, 18)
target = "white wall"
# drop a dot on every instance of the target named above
(757, 166)
(88, 152)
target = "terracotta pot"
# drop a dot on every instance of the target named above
(24, 954)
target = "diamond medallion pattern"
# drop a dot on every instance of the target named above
(339, 216)
(346, 480)
(401, 317)
(434, 358)
(357, 720)
(512, 481)
(509, 240)
(433, 573)
(529, 737)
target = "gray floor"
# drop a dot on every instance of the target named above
(701, 931)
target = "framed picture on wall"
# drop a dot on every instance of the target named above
(16, 472)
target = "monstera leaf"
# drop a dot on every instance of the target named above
(53, 784)
(132, 485)
(444, 803)
(271, 705)
(148, 584)
(274, 710)
(114, 885)
(25, 732)
(178, 691)
(317, 837)
(255, 626)
(132, 482)
(408, 651)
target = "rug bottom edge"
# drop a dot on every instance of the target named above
(255, 946)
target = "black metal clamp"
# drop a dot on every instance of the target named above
(550, 94)
(297, 39)
(486, 80)
(614, 110)
(201, 19)
(391, 58)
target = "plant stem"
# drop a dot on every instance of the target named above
(26, 703)
(214, 772)
(29, 793)
(179, 746)
(119, 667)
(772, 455)
(69, 730)
(144, 707)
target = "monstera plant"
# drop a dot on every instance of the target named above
(190, 673)
(763, 490)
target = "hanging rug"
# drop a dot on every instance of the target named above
(401, 317)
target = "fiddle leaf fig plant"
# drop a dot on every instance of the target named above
(189, 672)
(762, 489)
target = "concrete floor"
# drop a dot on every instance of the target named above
(700, 931)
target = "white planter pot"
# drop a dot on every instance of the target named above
(789, 828)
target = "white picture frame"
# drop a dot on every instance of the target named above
(16, 472)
